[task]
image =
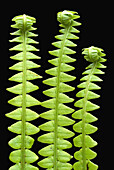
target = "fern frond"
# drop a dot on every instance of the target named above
(57, 133)
(84, 141)
(23, 156)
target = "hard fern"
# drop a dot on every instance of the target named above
(22, 156)
(56, 157)
(84, 141)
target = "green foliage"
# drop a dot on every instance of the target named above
(57, 133)
(23, 156)
(84, 141)
(56, 138)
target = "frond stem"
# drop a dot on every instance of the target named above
(84, 117)
(57, 97)
(23, 97)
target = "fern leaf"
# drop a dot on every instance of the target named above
(22, 156)
(57, 133)
(83, 140)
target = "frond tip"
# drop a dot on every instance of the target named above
(93, 54)
(66, 17)
(83, 140)
(23, 21)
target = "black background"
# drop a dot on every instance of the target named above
(96, 30)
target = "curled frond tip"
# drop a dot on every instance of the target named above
(93, 54)
(65, 17)
(23, 21)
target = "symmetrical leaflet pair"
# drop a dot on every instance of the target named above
(56, 127)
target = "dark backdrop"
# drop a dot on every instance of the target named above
(96, 30)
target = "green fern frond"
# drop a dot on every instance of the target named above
(84, 141)
(23, 156)
(56, 138)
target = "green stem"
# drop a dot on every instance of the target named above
(84, 118)
(57, 98)
(23, 97)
